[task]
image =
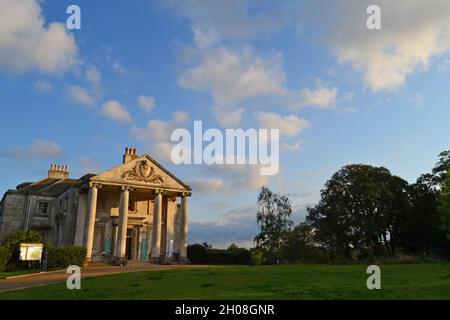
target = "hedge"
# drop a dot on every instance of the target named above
(5, 256)
(198, 253)
(66, 256)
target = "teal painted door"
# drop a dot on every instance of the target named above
(144, 256)
(107, 248)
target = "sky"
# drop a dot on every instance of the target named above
(136, 70)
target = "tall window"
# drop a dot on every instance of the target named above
(131, 205)
(43, 208)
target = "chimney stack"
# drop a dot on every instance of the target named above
(58, 172)
(130, 154)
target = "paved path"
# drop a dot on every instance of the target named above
(42, 279)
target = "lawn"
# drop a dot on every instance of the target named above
(401, 281)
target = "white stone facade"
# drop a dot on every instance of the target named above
(135, 211)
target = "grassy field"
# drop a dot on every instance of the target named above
(405, 281)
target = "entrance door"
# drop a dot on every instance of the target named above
(128, 248)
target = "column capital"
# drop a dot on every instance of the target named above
(158, 191)
(126, 188)
(95, 185)
(186, 194)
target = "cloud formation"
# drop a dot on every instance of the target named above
(27, 44)
(114, 110)
(413, 32)
(146, 103)
(156, 135)
(39, 149)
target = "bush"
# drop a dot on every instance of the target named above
(198, 253)
(5, 256)
(67, 256)
(11, 249)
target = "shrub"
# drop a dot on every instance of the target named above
(67, 256)
(198, 253)
(11, 248)
(5, 256)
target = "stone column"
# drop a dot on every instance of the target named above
(114, 239)
(149, 242)
(123, 221)
(138, 243)
(184, 227)
(93, 191)
(156, 231)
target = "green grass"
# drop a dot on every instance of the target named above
(401, 281)
(4, 275)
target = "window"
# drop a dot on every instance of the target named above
(101, 203)
(43, 208)
(131, 205)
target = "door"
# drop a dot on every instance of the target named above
(128, 248)
(144, 256)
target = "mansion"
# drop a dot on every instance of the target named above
(135, 211)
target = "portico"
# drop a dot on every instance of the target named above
(136, 211)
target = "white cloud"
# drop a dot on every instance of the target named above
(234, 76)
(289, 126)
(93, 75)
(291, 147)
(42, 86)
(156, 135)
(238, 177)
(37, 150)
(116, 111)
(80, 95)
(228, 118)
(413, 31)
(146, 103)
(207, 185)
(88, 165)
(235, 19)
(320, 97)
(27, 44)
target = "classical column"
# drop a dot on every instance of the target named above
(184, 227)
(137, 233)
(156, 231)
(93, 191)
(114, 239)
(149, 242)
(123, 221)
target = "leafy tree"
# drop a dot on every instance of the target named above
(442, 167)
(444, 207)
(361, 207)
(273, 217)
(299, 245)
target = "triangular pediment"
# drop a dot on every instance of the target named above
(143, 171)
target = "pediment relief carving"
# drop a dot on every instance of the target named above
(143, 172)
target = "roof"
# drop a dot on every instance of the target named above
(47, 187)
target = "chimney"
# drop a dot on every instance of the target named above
(58, 172)
(130, 154)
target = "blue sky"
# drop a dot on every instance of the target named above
(338, 92)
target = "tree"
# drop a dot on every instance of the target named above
(361, 207)
(299, 245)
(444, 207)
(273, 218)
(442, 167)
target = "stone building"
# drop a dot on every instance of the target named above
(136, 211)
